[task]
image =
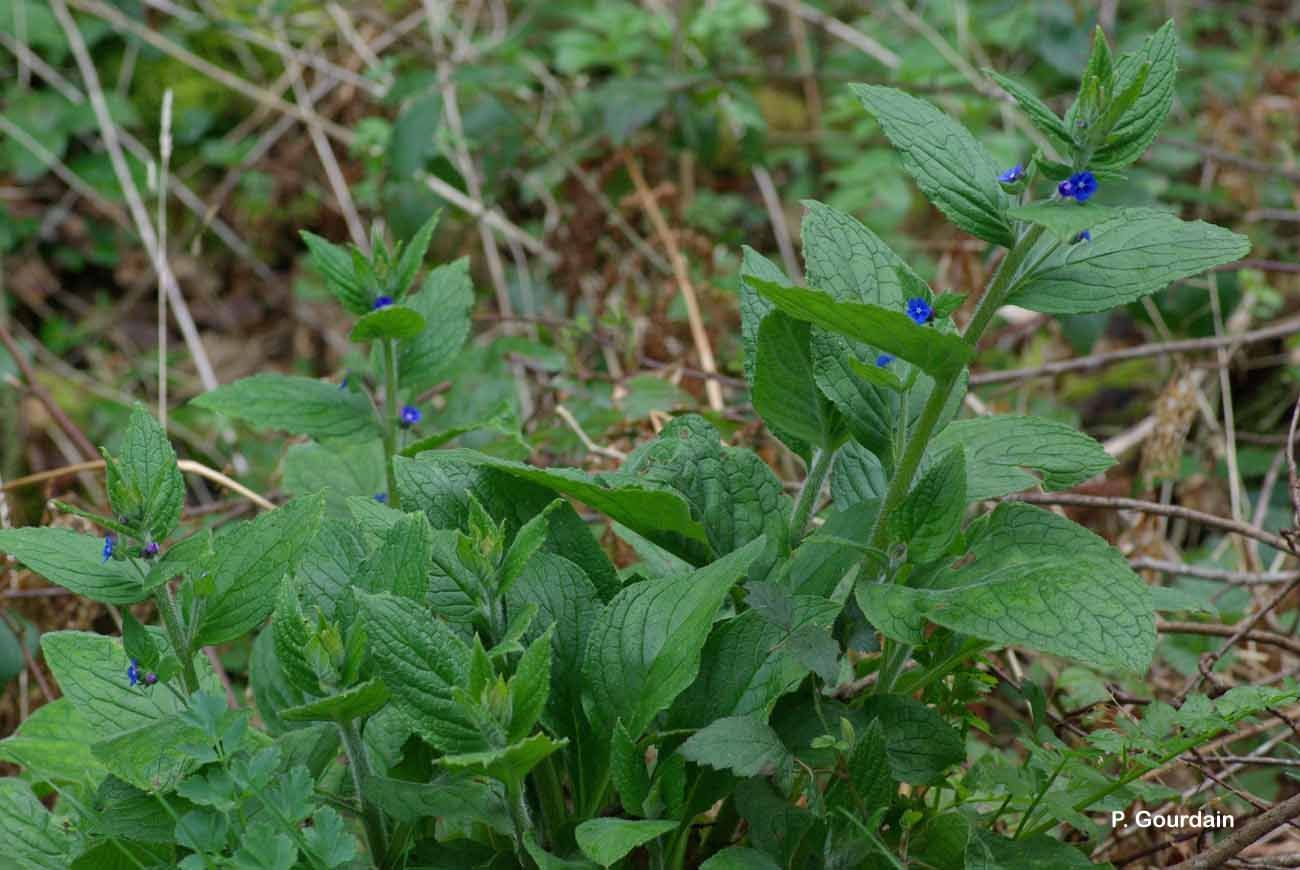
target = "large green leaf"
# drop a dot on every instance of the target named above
(606, 841)
(422, 661)
(1010, 454)
(75, 562)
(32, 837)
(251, 562)
(785, 391)
(949, 165)
(400, 564)
(53, 744)
(1064, 218)
(444, 300)
(1134, 253)
(645, 646)
(304, 406)
(745, 745)
(939, 354)
(929, 518)
(919, 745)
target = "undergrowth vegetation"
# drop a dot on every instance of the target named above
(450, 651)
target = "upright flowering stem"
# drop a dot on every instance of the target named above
(371, 816)
(894, 656)
(818, 468)
(171, 619)
(390, 420)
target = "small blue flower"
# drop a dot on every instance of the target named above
(133, 673)
(1084, 236)
(410, 416)
(919, 310)
(884, 359)
(110, 541)
(381, 497)
(382, 302)
(1079, 186)
(1013, 174)
(150, 550)
(343, 384)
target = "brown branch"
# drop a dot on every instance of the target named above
(1071, 499)
(1242, 837)
(1099, 360)
(29, 375)
(1211, 629)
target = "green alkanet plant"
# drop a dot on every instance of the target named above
(755, 691)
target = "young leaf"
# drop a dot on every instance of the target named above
(744, 745)
(627, 768)
(606, 840)
(952, 169)
(939, 354)
(1134, 253)
(451, 798)
(1000, 449)
(413, 254)
(785, 392)
(509, 764)
(75, 562)
(148, 463)
(421, 661)
(393, 321)
(930, 517)
(1036, 110)
(290, 633)
(354, 703)
(250, 563)
(334, 262)
(444, 300)
(400, 564)
(645, 646)
(530, 687)
(1137, 128)
(304, 406)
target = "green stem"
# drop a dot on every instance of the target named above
(170, 614)
(390, 420)
(550, 794)
(820, 466)
(518, 814)
(894, 656)
(1038, 799)
(371, 816)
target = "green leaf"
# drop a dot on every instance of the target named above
(849, 261)
(91, 671)
(741, 858)
(412, 143)
(393, 321)
(32, 836)
(744, 745)
(929, 518)
(1134, 253)
(53, 744)
(938, 354)
(413, 254)
(753, 308)
(328, 839)
(645, 646)
(262, 848)
(444, 300)
(525, 545)
(1138, 126)
(354, 703)
(952, 169)
(919, 744)
(343, 469)
(509, 764)
(1042, 117)
(400, 564)
(731, 490)
(75, 562)
(785, 392)
(606, 841)
(304, 406)
(546, 861)
(421, 661)
(334, 262)
(627, 767)
(450, 798)
(148, 464)
(1002, 451)
(1064, 218)
(153, 756)
(988, 851)
(869, 769)
(291, 634)
(660, 514)
(251, 562)
(530, 687)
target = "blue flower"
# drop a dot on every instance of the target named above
(919, 310)
(884, 359)
(133, 673)
(1079, 186)
(1084, 236)
(343, 384)
(110, 541)
(381, 497)
(150, 550)
(150, 678)
(1013, 174)
(410, 416)
(382, 302)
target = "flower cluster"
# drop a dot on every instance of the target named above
(110, 543)
(1012, 175)
(410, 416)
(381, 302)
(1080, 187)
(137, 679)
(919, 310)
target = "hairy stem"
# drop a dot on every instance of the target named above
(171, 619)
(371, 816)
(820, 466)
(1000, 286)
(550, 795)
(390, 420)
